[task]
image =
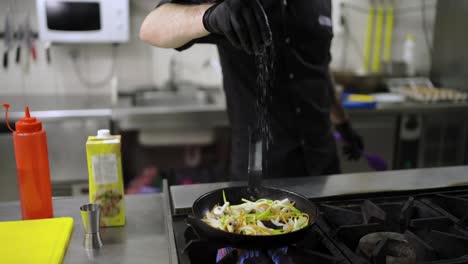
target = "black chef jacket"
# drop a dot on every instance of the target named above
(303, 144)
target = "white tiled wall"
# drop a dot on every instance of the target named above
(138, 64)
(194, 65)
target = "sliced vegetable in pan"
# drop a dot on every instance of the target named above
(261, 217)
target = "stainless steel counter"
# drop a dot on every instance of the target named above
(313, 187)
(410, 107)
(142, 240)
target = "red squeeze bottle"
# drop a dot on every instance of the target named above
(32, 165)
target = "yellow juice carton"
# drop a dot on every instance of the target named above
(105, 177)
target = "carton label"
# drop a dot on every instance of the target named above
(105, 169)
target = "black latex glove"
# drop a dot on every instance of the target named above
(353, 144)
(243, 22)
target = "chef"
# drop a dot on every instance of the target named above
(303, 101)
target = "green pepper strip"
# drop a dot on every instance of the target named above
(265, 214)
(224, 197)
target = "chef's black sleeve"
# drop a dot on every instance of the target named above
(183, 2)
(210, 39)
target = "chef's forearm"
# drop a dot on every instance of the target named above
(173, 25)
(337, 112)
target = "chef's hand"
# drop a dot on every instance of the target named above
(243, 22)
(353, 145)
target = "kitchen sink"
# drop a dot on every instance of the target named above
(183, 95)
(167, 98)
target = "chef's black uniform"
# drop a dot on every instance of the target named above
(303, 144)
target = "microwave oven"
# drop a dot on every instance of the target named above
(83, 21)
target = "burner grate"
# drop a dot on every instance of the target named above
(404, 229)
(454, 204)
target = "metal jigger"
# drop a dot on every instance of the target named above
(90, 215)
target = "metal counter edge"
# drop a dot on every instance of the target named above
(173, 259)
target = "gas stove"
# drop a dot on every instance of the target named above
(411, 227)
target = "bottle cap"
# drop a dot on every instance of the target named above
(103, 133)
(28, 124)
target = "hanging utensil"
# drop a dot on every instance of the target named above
(378, 38)
(369, 35)
(47, 52)
(30, 39)
(19, 38)
(27, 45)
(388, 32)
(8, 39)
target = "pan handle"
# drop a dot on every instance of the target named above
(196, 224)
(191, 220)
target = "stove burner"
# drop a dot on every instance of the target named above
(226, 255)
(387, 248)
(254, 256)
(274, 256)
(315, 248)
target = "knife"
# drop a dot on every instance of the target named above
(30, 39)
(47, 52)
(27, 44)
(20, 36)
(8, 38)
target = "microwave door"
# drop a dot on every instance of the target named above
(73, 16)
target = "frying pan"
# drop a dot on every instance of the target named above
(253, 192)
(234, 195)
